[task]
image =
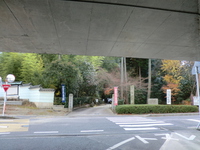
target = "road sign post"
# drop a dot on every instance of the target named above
(9, 78)
(5, 87)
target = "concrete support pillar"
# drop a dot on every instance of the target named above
(198, 39)
(70, 104)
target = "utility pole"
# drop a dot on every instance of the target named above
(125, 78)
(122, 77)
(149, 81)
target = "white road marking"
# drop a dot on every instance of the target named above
(128, 119)
(167, 136)
(4, 132)
(146, 125)
(40, 132)
(129, 129)
(3, 126)
(194, 120)
(192, 137)
(142, 122)
(193, 127)
(121, 143)
(92, 130)
(132, 123)
(5, 120)
(144, 140)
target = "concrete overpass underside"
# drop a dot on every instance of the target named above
(163, 29)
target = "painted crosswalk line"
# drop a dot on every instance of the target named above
(137, 123)
(15, 125)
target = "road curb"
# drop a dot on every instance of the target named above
(173, 114)
(157, 115)
(7, 117)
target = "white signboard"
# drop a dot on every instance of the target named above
(169, 96)
(195, 100)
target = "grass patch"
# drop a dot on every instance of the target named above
(27, 105)
(146, 109)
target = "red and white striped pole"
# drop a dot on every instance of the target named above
(10, 78)
(5, 87)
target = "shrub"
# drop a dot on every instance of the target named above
(28, 104)
(140, 96)
(144, 109)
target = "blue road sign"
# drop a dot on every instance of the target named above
(63, 93)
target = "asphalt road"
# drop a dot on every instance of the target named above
(99, 131)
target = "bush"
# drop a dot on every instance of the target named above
(144, 109)
(28, 104)
(120, 102)
(140, 96)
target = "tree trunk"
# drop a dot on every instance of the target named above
(140, 77)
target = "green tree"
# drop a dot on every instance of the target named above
(48, 58)
(61, 72)
(137, 67)
(187, 84)
(157, 81)
(111, 63)
(88, 67)
(32, 69)
(10, 63)
(178, 78)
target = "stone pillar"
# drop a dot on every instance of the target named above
(152, 101)
(70, 104)
(132, 90)
(113, 104)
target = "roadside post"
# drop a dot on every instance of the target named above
(10, 78)
(196, 71)
(115, 98)
(63, 93)
(168, 96)
(113, 106)
(70, 103)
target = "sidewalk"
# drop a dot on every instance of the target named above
(96, 111)
(13, 110)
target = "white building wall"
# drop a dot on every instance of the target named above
(46, 99)
(1, 93)
(41, 97)
(13, 90)
(24, 92)
(34, 95)
(47, 96)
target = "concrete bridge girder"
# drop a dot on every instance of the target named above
(164, 29)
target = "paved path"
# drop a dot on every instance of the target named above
(103, 110)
